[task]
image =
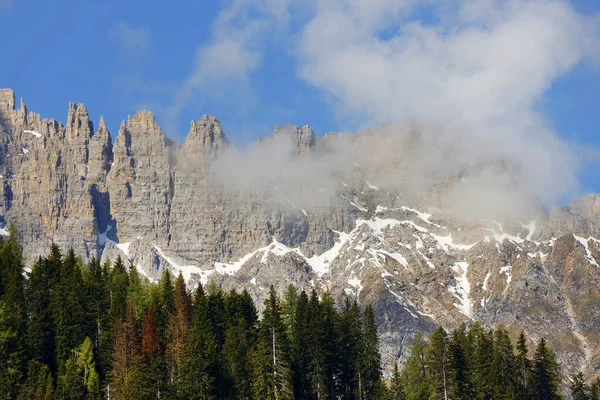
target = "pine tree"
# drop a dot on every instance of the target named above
(579, 390)
(414, 376)
(503, 366)
(318, 352)
(288, 310)
(40, 329)
(482, 348)
(137, 289)
(397, 388)
(39, 384)
(166, 304)
(545, 373)
(300, 332)
(328, 320)
(80, 379)
(149, 370)
(179, 323)
(370, 360)
(595, 390)
(348, 333)
(12, 314)
(437, 364)
(236, 361)
(523, 366)
(199, 361)
(271, 373)
(126, 352)
(458, 360)
(68, 313)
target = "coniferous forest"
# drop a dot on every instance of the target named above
(70, 330)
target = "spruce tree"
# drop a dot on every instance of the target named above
(39, 384)
(523, 367)
(504, 365)
(125, 354)
(68, 300)
(80, 379)
(370, 359)
(579, 390)
(458, 359)
(236, 362)
(545, 373)
(348, 332)
(137, 289)
(166, 303)
(595, 390)
(437, 362)
(178, 325)
(118, 287)
(272, 375)
(300, 333)
(397, 388)
(482, 348)
(199, 361)
(328, 320)
(288, 310)
(317, 349)
(13, 351)
(40, 329)
(415, 379)
(149, 374)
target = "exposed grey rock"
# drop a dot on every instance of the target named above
(154, 203)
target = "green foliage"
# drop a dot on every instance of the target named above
(73, 331)
(415, 379)
(545, 373)
(80, 379)
(478, 363)
(13, 350)
(579, 390)
(39, 384)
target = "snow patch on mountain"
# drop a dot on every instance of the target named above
(588, 253)
(34, 133)
(446, 243)
(462, 289)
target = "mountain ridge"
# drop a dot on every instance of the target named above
(163, 204)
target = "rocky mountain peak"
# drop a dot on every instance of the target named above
(307, 139)
(102, 125)
(7, 100)
(303, 138)
(588, 206)
(142, 121)
(79, 124)
(206, 137)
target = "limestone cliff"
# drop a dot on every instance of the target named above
(154, 202)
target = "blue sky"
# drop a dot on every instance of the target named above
(255, 64)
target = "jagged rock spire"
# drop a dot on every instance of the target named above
(206, 137)
(142, 121)
(79, 124)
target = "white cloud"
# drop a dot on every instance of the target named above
(132, 41)
(240, 35)
(469, 74)
(482, 69)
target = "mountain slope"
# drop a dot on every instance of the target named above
(356, 229)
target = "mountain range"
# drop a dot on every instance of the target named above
(313, 211)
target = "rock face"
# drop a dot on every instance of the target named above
(155, 203)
